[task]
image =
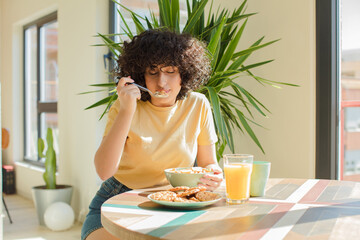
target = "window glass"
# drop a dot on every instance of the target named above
(31, 121)
(48, 64)
(142, 7)
(350, 90)
(40, 84)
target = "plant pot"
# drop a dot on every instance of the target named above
(43, 198)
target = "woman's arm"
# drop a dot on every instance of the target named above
(206, 158)
(206, 155)
(107, 157)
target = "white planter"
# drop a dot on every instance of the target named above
(45, 197)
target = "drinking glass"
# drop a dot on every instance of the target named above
(237, 169)
(259, 177)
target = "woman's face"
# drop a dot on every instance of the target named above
(163, 79)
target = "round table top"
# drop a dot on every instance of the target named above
(291, 208)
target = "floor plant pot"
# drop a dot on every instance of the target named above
(43, 198)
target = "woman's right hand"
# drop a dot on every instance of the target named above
(127, 94)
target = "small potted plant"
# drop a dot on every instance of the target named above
(49, 193)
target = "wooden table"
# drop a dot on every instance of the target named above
(291, 209)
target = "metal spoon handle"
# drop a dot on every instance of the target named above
(151, 93)
(142, 88)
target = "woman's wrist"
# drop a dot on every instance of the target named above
(127, 110)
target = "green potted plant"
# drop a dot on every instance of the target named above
(49, 193)
(232, 104)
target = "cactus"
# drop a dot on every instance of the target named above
(50, 159)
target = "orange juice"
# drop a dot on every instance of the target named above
(237, 176)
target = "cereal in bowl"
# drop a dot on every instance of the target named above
(191, 170)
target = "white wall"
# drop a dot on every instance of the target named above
(289, 142)
(80, 64)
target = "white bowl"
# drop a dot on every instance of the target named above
(183, 176)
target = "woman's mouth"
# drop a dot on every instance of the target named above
(162, 93)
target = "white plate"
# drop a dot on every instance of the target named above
(185, 204)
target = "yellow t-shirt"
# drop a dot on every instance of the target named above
(161, 138)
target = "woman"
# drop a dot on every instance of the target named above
(143, 138)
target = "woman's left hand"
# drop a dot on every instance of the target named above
(212, 182)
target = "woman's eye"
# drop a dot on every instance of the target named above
(168, 69)
(152, 73)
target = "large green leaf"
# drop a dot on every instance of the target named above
(164, 9)
(230, 49)
(240, 60)
(110, 44)
(215, 102)
(139, 27)
(154, 21)
(95, 91)
(240, 9)
(128, 30)
(252, 100)
(101, 102)
(175, 15)
(249, 130)
(112, 99)
(195, 16)
(254, 48)
(127, 9)
(112, 84)
(215, 39)
(255, 65)
(270, 82)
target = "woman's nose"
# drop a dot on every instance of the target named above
(162, 80)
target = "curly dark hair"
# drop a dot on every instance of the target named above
(163, 47)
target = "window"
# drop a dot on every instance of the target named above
(141, 7)
(40, 84)
(338, 90)
(350, 91)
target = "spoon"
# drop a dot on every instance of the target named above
(157, 94)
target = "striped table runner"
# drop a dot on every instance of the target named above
(291, 209)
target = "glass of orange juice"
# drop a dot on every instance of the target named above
(237, 168)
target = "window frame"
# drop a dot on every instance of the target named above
(42, 106)
(112, 28)
(327, 89)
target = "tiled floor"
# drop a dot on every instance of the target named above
(25, 224)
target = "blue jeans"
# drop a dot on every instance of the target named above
(108, 189)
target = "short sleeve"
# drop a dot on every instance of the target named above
(207, 134)
(113, 112)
